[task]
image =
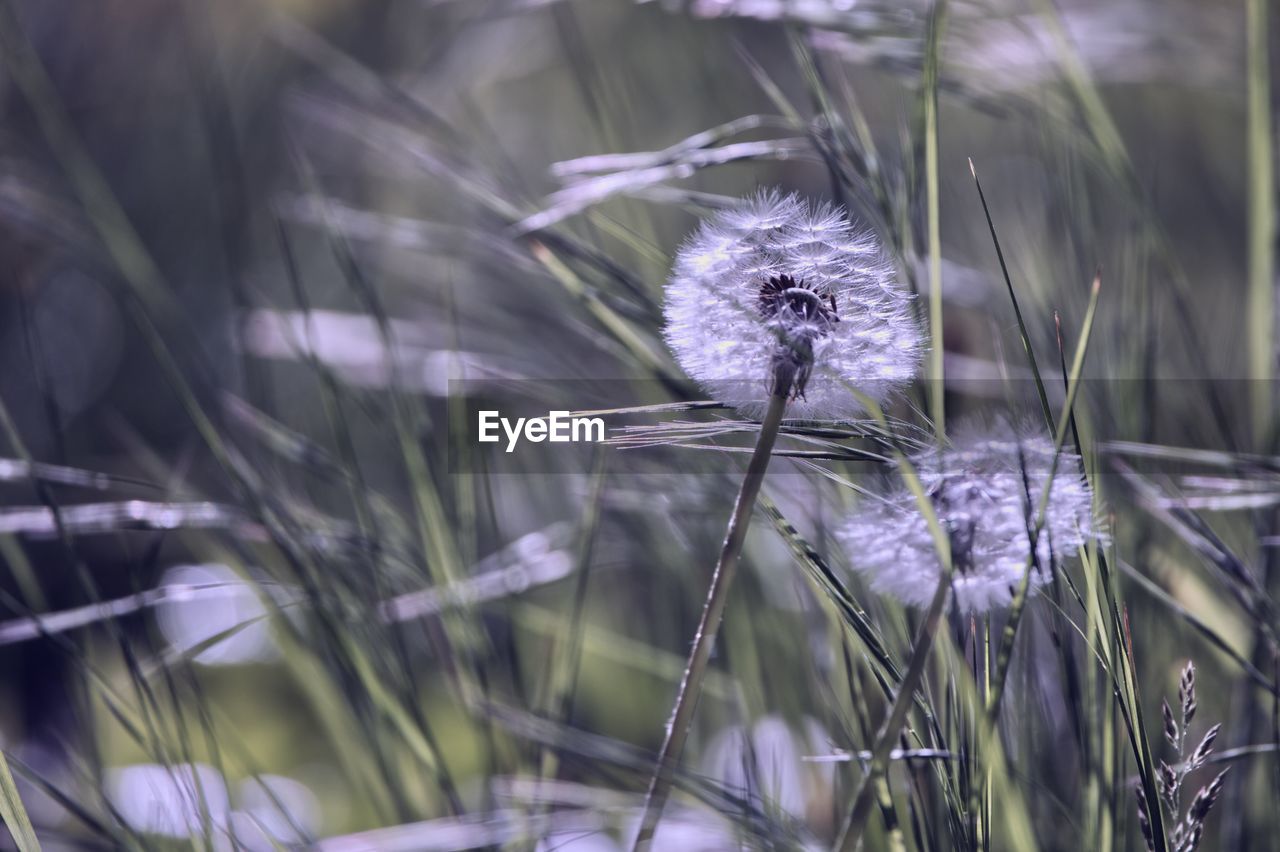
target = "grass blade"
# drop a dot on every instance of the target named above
(13, 813)
(1262, 221)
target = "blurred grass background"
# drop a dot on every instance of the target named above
(247, 246)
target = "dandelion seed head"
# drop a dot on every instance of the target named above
(775, 287)
(986, 490)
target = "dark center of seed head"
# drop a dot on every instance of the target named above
(800, 315)
(783, 297)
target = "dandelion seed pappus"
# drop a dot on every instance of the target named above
(778, 292)
(980, 488)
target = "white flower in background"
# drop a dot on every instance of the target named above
(274, 811)
(705, 830)
(572, 840)
(765, 764)
(174, 801)
(189, 800)
(774, 290)
(986, 491)
(219, 603)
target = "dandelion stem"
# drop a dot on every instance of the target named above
(712, 614)
(877, 769)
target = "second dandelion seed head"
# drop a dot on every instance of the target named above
(986, 491)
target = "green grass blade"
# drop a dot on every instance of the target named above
(14, 813)
(1013, 299)
(1262, 221)
(937, 350)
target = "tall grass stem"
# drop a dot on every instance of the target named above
(937, 351)
(1262, 223)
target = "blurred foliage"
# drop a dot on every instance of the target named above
(259, 258)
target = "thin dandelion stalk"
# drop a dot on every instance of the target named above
(875, 779)
(712, 615)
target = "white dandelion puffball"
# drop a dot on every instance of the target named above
(986, 492)
(775, 291)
